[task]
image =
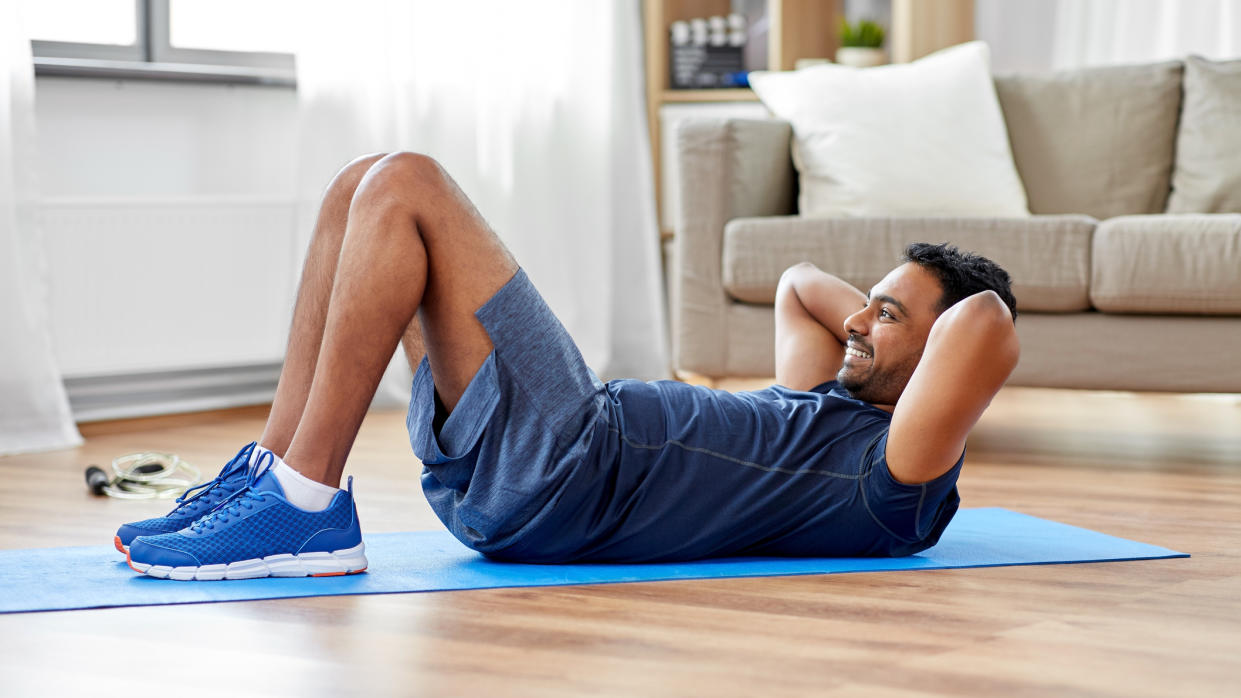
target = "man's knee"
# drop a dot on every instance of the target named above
(345, 183)
(402, 178)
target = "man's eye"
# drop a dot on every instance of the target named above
(885, 312)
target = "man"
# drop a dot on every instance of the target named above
(529, 457)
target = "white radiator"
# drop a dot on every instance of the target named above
(165, 305)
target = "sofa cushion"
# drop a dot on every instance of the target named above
(922, 138)
(1097, 141)
(1048, 257)
(1207, 177)
(1177, 264)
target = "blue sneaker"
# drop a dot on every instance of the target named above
(258, 533)
(191, 508)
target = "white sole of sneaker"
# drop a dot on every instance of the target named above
(333, 564)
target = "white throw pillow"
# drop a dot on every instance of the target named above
(914, 139)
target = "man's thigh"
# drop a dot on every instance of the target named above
(466, 264)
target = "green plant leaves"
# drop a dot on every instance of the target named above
(862, 34)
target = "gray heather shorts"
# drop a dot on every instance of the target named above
(527, 419)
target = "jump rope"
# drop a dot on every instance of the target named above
(147, 475)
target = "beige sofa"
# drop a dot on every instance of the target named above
(1114, 290)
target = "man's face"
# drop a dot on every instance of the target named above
(886, 338)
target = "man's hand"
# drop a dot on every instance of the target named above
(811, 307)
(971, 350)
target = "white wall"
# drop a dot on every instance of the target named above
(168, 218)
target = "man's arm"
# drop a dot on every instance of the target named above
(971, 350)
(811, 307)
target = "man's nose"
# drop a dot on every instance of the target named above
(855, 323)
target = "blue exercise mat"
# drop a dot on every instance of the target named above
(52, 579)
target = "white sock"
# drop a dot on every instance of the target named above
(301, 491)
(257, 452)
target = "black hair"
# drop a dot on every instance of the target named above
(962, 274)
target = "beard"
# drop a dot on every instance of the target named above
(878, 386)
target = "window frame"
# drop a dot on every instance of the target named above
(153, 57)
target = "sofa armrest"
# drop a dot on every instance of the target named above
(728, 168)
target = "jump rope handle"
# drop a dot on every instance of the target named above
(96, 479)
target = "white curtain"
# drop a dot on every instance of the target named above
(535, 108)
(1103, 32)
(34, 414)
(1067, 34)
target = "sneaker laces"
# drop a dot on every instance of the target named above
(240, 461)
(244, 498)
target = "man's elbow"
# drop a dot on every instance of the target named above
(794, 276)
(984, 307)
(987, 318)
(801, 269)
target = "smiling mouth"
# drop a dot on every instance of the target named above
(857, 353)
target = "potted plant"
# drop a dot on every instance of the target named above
(861, 44)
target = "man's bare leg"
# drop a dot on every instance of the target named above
(413, 244)
(310, 311)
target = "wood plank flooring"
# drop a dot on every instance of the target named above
(1164, 469)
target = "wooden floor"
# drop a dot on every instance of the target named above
(1161, 469)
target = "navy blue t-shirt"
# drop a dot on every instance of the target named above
(682, 471)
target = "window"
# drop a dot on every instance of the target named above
(84, 28)
(232, 25)
(215, 40)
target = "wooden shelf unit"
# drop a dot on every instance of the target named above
(734, 94)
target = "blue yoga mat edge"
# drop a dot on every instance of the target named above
(82, 578)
